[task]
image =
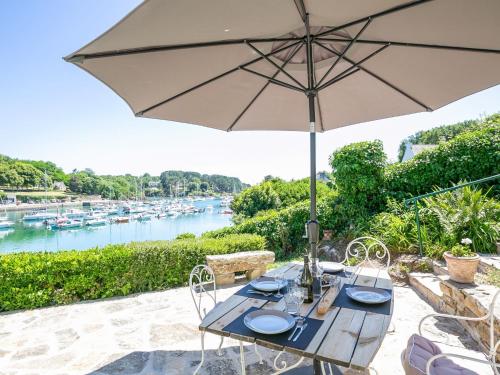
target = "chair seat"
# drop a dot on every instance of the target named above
(418, 352)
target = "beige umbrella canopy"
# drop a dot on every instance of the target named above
(242, 65)
(303, 65)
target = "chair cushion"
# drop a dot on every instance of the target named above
(418, 352)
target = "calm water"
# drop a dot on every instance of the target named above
(35, 237)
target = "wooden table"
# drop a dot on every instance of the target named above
(348, 338)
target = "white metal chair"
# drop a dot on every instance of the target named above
(204, 294)
(493, 347)
(368, 251)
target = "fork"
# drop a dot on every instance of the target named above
(299, 324)
(304, 326)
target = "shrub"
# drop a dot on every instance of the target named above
(466, 213)
(461, 251)
(185, 236)
(358, 170)
(30, 280)
(284, 229)
(470, 155)
(274, 194)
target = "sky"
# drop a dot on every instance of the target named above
(51, 110)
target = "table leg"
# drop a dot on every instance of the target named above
(242, 359)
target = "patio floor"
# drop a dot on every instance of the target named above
(156, 333)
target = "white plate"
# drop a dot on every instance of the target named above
(268, 285)
(269, 322)
(332, 266)
(371, 296)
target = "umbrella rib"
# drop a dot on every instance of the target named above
(416, 45)
(132, 51)
(276, 65)
(263, 88)
(273, 80)
(344, 52)
(357, 64)
(387, 83)
(376, 15)
(257, 59)
(301, 8)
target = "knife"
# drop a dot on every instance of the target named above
(300, 332)
(258, 292)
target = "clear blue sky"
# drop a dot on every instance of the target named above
(53, 111)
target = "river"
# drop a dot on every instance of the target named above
(35, 236)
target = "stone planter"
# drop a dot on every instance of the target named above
(461, 269)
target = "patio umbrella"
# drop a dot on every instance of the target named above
(303, 65)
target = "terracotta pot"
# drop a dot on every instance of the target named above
(461, 269)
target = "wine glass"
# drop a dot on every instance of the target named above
(280, 279)
(300, 295)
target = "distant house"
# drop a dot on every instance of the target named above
(412, 150)
(154, 184)
(322, 176)
(59, 185)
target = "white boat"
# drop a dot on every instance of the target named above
(68, 224)
(95, 222)
(75, 213)
(5, 223)
(39, 216)
(144, 217)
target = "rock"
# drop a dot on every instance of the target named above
(253, 262)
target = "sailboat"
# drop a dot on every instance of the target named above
(4, 221)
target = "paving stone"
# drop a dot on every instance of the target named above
(31, 352)
(130, 364)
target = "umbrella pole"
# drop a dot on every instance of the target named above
(312, 224)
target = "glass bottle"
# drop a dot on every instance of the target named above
(306, 281)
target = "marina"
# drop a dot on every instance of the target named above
(80, 228)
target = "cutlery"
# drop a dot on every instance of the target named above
(300, 332)
(259, 292)
(299, 325)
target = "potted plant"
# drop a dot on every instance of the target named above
(462, 262)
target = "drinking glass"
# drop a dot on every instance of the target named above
(280, 279)
(291, 302)
(301, 295)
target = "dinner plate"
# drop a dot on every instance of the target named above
(332, 266)
(268, 285)
(269, 322)
(368, 295)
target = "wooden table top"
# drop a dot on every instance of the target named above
(349, 338)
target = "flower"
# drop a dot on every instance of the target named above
(466, 241)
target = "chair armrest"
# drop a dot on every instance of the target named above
(494, 366)
(457, 317)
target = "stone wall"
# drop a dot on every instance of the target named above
(472, 301)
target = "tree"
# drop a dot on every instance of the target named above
(9, 177)
(31, 176)
(358, 170)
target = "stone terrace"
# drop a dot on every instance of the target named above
(156, 333)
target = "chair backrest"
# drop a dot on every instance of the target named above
(368, 251)
(202, 288)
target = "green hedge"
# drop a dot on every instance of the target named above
(284, 229)
(30, 280)
(470, 155)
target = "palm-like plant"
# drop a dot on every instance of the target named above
(467, 212)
